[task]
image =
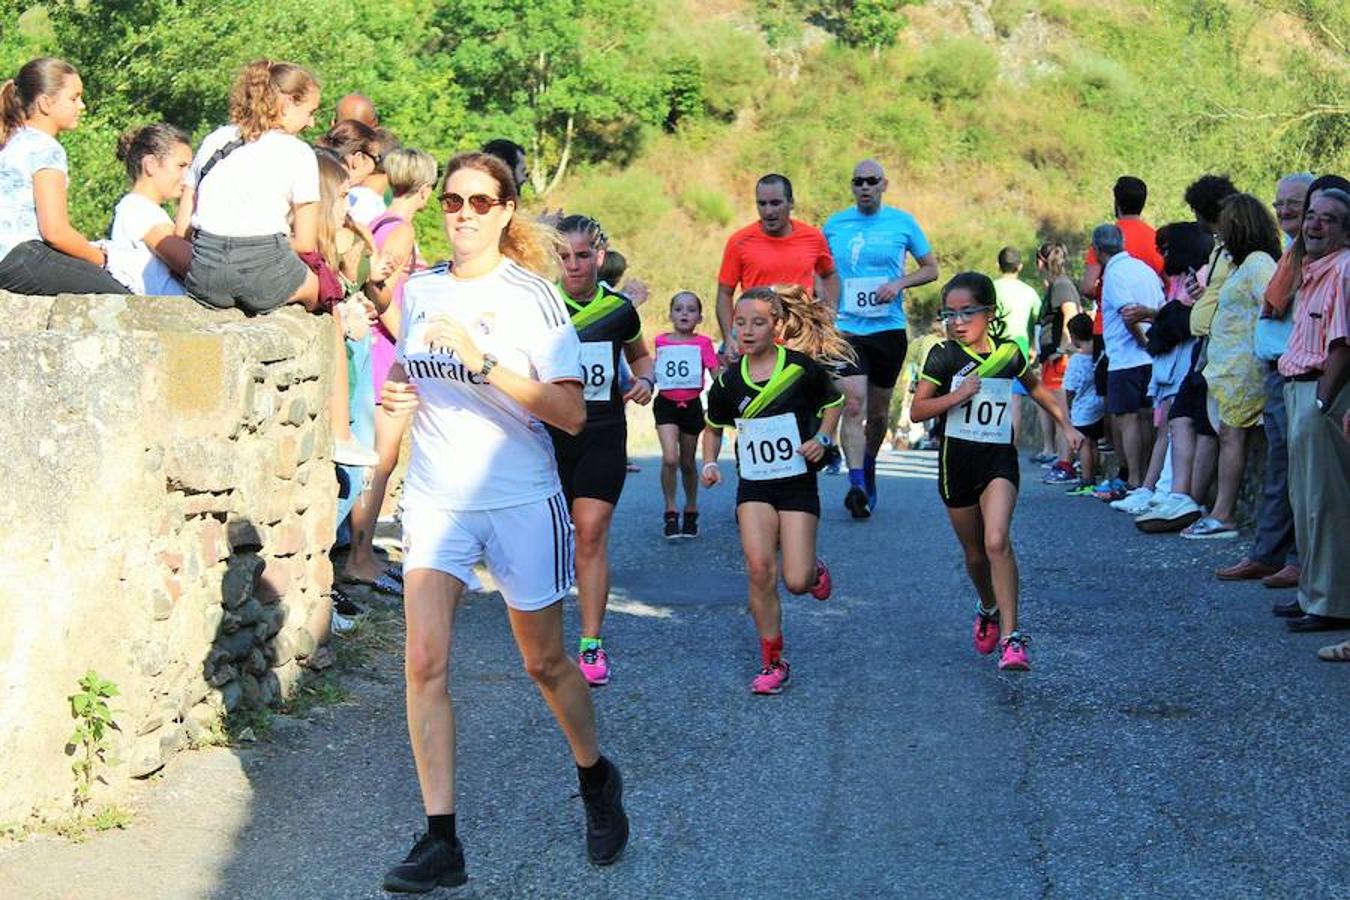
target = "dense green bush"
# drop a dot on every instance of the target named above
(958, 69)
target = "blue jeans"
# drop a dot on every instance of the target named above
(361, 397)
(1274, 542)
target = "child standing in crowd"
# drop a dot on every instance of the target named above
(1086, 409)
(968, 383)
(370, 197)
(40, 252)
(784, 408)
(682, 357)
(145, 252)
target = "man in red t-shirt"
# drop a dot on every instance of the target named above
(1141, 240)
(777, 249)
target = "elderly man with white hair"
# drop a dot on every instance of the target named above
(1128, 282)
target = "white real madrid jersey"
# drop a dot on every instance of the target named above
(473, 447)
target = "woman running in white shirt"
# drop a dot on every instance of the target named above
(487, 356)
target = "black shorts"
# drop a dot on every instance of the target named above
(842, 369)
(1094, 432)
(1192, 402)
(688, 415)
(1127, 390)
(594, 463)
(881, 356)
(797, 494)
(966, 468)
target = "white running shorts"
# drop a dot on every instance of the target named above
(529, 549)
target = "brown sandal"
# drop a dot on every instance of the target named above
(1335, 652)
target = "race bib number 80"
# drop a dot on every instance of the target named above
(859, 298)
(597, 369)
(767, 448)
(985, 418)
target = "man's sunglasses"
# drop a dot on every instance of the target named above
(962, 315)
(481, 203)
(869, 180)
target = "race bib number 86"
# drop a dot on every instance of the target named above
(679, 367)
(767, 448)
(985, 418)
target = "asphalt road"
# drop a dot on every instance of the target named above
(1171, 739)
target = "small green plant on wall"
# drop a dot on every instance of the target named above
(88, 743)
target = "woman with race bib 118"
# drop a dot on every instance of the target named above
(967, 383)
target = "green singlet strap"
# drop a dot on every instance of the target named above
(784, 377)
(601, 305)
(1001, 356)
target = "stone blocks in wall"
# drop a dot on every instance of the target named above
(169, 508)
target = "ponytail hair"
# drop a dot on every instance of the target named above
(981, 287)
(805, 324)
(531, 245)
(255, 99)
(41, 77)
(1055, 257)
(150, 141)
(586, 227)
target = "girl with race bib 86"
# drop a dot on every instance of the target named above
(967, 382)
(784, 407)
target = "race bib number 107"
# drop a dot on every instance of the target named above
(985, 418)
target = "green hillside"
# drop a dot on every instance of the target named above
(999, 121)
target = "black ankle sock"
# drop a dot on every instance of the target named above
(442, 827)
(593, 777)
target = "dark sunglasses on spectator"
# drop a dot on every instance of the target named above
(869, 180)
(962, 315)
(481, 203)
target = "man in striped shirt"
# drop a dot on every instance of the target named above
(1315, 368)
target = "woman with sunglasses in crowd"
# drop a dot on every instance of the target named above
(967, 382)
(594, 464)
(487, 358)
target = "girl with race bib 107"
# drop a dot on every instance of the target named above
(784, 407)
(967, 382)
(681, 360)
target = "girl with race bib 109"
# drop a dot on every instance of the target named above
(681, 360)
(967, 382)
(784, 407)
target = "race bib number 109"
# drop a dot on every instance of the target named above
(985, 418)
(767, 448)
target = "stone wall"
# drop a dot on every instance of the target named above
(168, 509)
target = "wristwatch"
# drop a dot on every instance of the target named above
(824, 440)
(489, 363)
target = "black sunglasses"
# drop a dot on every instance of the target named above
(481, 203)
(869, 180)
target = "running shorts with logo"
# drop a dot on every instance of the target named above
(773, 419)
(977, 445)
(482, 482)
(687, 415)
(594, 463)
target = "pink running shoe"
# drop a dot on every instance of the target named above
(595, 666)
(824, 584)
(986, 630)
(1014, 656)
(771, 679)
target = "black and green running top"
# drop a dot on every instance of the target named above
(605, 323)
(952, 358)
(799, 386)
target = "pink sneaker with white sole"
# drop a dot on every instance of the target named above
(594, 666)
(824, 584)
(1014, 656)
(771, 678)
(986, 630)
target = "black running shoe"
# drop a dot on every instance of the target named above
(606, 822)
(855, 501)
(689, 527)
(672, 525)
(430, 864)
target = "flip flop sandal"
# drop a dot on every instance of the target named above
(395, 572)
(1335, 652)
(383, 584)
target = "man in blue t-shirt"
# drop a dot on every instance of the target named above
(869, 243)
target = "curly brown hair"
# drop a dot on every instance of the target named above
(804, 324)
(255, 99)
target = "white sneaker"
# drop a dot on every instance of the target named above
(352, 453)
(1135, 502)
